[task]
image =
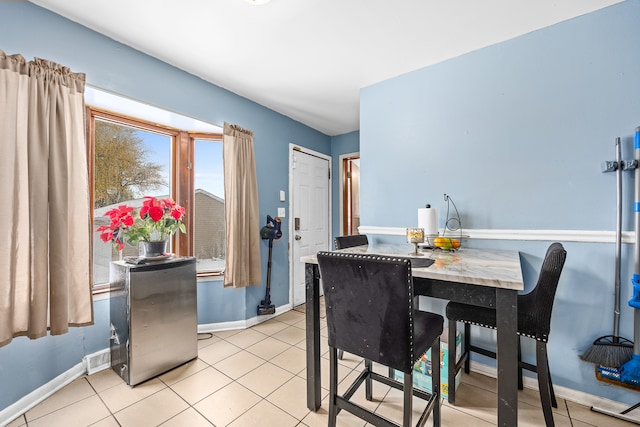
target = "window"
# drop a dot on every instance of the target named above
(130, 158)
(209, 221)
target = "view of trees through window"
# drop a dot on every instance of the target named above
(131, 161)
(127, 164)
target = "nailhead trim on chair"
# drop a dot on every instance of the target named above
(541, 339)
(409, 276)
(410, 300)
(386, 283)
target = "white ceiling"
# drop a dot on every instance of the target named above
(308, 59)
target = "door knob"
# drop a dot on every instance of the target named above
(298, 237)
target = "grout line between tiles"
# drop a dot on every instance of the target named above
(293, 320)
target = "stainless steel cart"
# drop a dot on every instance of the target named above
(153, 317)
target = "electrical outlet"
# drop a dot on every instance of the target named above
(609, 166)
(281, 212)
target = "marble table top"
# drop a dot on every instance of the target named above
(485, 267)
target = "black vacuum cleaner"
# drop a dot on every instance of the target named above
(272, 231)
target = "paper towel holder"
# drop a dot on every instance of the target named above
(426, 231)
(428, 220)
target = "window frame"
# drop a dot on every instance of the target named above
(182, 173)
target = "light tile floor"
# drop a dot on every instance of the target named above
(256, 377)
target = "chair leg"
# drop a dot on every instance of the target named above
(520, 386)
(553, 395)
(467, 347)
(435, 376)
(333, 386)
(544, 382)
(451, 370)
(340, 354)
(368, 382)
(407, 405)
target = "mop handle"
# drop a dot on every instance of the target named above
(636, 207)
(616, 310)
(633, 302)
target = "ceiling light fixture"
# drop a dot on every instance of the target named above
(257, 2)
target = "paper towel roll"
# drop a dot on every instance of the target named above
(428, 219)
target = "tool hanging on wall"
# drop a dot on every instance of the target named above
(628, 375)
(631, 369)
(272, 231)
(613, 350)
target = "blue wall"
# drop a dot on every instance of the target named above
(25, 365)
(515, 133)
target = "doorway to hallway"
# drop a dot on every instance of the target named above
(349, 194)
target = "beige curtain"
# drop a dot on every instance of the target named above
(45, 281)
(242, 265)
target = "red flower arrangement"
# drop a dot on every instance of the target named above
(157, 220)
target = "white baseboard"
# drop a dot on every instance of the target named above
(13, 411)
(565, 393)
(242, 324)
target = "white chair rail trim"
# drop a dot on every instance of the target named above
(587, 236)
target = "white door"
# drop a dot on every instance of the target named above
(310, 212)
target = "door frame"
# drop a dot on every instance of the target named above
(299, 148)
(341, 185)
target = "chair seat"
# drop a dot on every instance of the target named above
(486, 317)
(427, 327)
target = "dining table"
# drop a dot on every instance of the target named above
(483, 277)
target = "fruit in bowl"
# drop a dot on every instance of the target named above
(446, 243)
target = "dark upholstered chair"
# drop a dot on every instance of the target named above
(370, 313)
(534, 321)
(342, 242)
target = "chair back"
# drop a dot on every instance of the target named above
(369, 305)
(342, 242)
(534, 308)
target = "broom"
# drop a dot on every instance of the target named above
(613, 350)
(630, 371)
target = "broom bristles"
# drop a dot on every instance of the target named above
(609, 351)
